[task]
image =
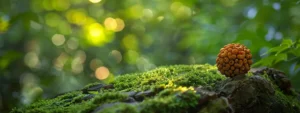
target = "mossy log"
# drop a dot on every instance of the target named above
(179, 89)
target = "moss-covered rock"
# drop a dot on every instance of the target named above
(175, 89)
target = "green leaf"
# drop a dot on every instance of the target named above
(267, 61)
(283, 48)
(280, 57)
(296, 52)
(285, 45)
(287, 42)
(271, 60)
(277, 49)
(274, 49)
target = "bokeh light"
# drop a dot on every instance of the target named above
(95, 1)
(97, 35)
(95, 63)
(276, 6)
(160, 18)
(131, 56)
(102, 73)
(31, 59)
(78, 61)
(116, 55)
(72, 43)
(120, 25)
(76, 66)
(147, 14)
(180, 10)
(4, 23)
(60, 61)
(115, 25)
(64, 28)
(130, 42)
(251, 13)
(143, 64)
(76, 16)
(96, 30)
(60, 5)
(58, 39)
(110, 24)
(52, 19)
(30, 89)
(135, 11)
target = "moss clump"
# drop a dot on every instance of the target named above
(178, 103)
(180, 75)
(164, 89)
(291, 103)
(120, 108)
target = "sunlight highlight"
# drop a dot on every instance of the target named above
(120, 25)
(95, 1)
(96, 34)
(102, 73)
(110, 24)
(115, 25)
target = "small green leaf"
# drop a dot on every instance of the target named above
(287, 42)
(282, 48)
(274, 49)
(267, 61)
(271, 60)
(280, 57)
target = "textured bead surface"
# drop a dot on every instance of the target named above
(234, 59)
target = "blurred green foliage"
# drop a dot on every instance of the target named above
(53, 46)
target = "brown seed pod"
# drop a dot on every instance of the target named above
(234, 59)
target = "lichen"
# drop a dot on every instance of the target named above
(164, 89)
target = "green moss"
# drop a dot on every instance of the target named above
(180, 75)
(171, 104)
(121, 108)
(216, 106)
(108, 97)
(173, 88)
(90, 85)
(291, 103)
